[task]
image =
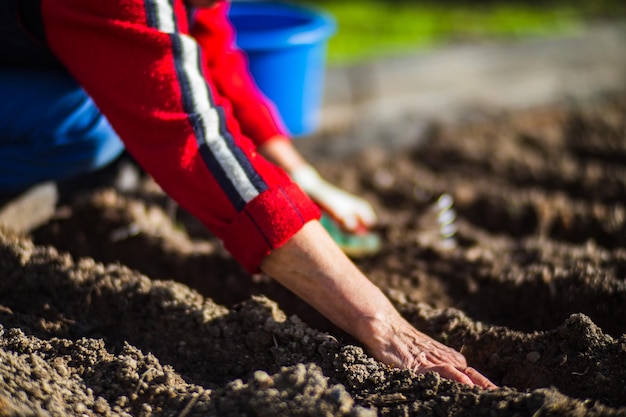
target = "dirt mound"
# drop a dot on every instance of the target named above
(118, 307)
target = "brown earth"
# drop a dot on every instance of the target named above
(534, 293)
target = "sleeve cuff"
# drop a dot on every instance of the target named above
(267, 223)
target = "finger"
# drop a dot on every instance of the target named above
(449, 372)
(350, 222)
(366, 214)
(346, 219)
(479, 379)
(340, 217)
(444, 354)
(454, 358)
(353, 222)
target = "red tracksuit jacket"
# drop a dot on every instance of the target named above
(186, 110)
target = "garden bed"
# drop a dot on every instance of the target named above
(114, 307)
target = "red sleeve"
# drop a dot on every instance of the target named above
(145, 74)
(228, 66)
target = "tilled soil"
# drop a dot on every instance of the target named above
(122, 305)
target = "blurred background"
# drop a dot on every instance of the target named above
(371, 28)
(411, 63)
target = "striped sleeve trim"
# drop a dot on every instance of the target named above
(224, 159)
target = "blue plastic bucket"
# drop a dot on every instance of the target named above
(286, 48)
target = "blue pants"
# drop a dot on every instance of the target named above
(50, 129)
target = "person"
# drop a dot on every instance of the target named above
(177, 96)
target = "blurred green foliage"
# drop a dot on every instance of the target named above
(374, 28)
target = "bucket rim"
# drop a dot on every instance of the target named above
(317, 25)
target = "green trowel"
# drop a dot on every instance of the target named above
(357, 244)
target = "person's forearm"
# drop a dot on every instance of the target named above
(228, 69)
(186, 138)
(312, 266)
(353, 213)
(280, 151)
(316, 270)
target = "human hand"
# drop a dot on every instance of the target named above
(315, 269)
(401, 345)
(351, 212)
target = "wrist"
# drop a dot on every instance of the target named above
(276, 139)
(280, 151)
(373, 330)
(376, 328)
(306, 177)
